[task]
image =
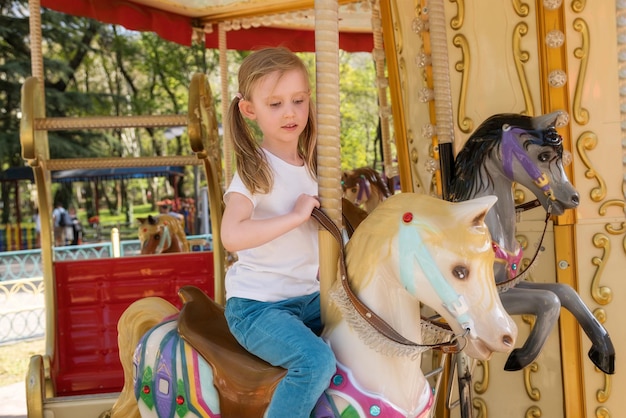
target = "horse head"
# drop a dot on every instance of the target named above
(518, 148)
(161, 234)
(365, 187)
(437, 252)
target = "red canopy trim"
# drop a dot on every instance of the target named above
(179, 29)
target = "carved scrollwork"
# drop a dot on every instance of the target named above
(602, 395)
(481, 407)
(581, 115)
(465, 124)
(532, 392)
(587, 141)
(611, 229)
(521, 57)
(602, 295)
(481, 386)
(533, 412)
(522, 9)
(578, 5)
(456, 22)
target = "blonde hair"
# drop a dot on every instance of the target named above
(252, 165)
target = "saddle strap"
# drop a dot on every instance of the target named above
(367, 314)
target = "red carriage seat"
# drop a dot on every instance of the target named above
(91, 295)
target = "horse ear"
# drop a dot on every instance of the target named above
(141, 220)
(547, 121)
(475, 210)
(152, 220)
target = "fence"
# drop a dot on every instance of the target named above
(22, 314)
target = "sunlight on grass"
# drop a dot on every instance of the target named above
(14, 359)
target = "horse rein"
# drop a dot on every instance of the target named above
(370, 317)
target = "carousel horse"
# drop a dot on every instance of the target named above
(412, 249)
(364, 187)
(509, 148)
(162, 234)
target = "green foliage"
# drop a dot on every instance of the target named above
(97, 69)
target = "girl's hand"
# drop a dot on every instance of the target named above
(304, 206)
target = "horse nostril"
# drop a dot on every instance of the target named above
(507, 340)
(576, 199)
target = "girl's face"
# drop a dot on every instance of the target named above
(280, 106)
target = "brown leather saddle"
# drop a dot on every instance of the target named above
(245, 383)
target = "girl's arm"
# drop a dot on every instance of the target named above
(239, 232)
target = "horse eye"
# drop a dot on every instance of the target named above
(544, 156)
(460, 272)
(157, 237)
(353, 190)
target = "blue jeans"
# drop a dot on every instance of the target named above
(285, 334)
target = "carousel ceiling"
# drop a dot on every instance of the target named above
(249, 24)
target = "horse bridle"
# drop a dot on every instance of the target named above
(367, 314)
(512, 149)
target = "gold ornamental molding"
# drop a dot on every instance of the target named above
(587, 141)
(466, 125)
(520, 57)
(621, 229)
(522, 9)
(581, 115)
(456, 22)
(481, 386)
(578, 5)
(481, 406)
(532, 392)
(533, 412)
(602, 295)
(603, 395)
(603, 412)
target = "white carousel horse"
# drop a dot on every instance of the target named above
(412, 249)
(509, 148)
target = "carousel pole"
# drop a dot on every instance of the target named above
(328, 144)
(227, 146)
(35, 151)
(443, 93)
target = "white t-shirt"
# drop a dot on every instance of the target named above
(287, 266)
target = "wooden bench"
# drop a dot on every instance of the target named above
(91, 295)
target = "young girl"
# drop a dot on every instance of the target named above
(272, 291)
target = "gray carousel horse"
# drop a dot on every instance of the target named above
(509, 148)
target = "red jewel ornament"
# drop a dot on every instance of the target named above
(146, 389)
(180, 400)
(407, 217)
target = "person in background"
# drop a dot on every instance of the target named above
(37, 222)
(273, 290)
(59, 228)
(76, 228)
(166, 209)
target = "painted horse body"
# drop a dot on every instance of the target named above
(162, 234)
(509, 148)
(413, 249)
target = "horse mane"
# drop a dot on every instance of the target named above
(351, 178)
(134, 322)
(470, 175)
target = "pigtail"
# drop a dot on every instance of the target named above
(250, 159)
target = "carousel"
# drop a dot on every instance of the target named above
(518, 100)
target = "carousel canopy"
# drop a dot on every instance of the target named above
(26, 173)
(249, 24)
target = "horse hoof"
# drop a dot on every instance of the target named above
(603, 361)
(514, 362)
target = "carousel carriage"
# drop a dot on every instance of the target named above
(439, 56)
